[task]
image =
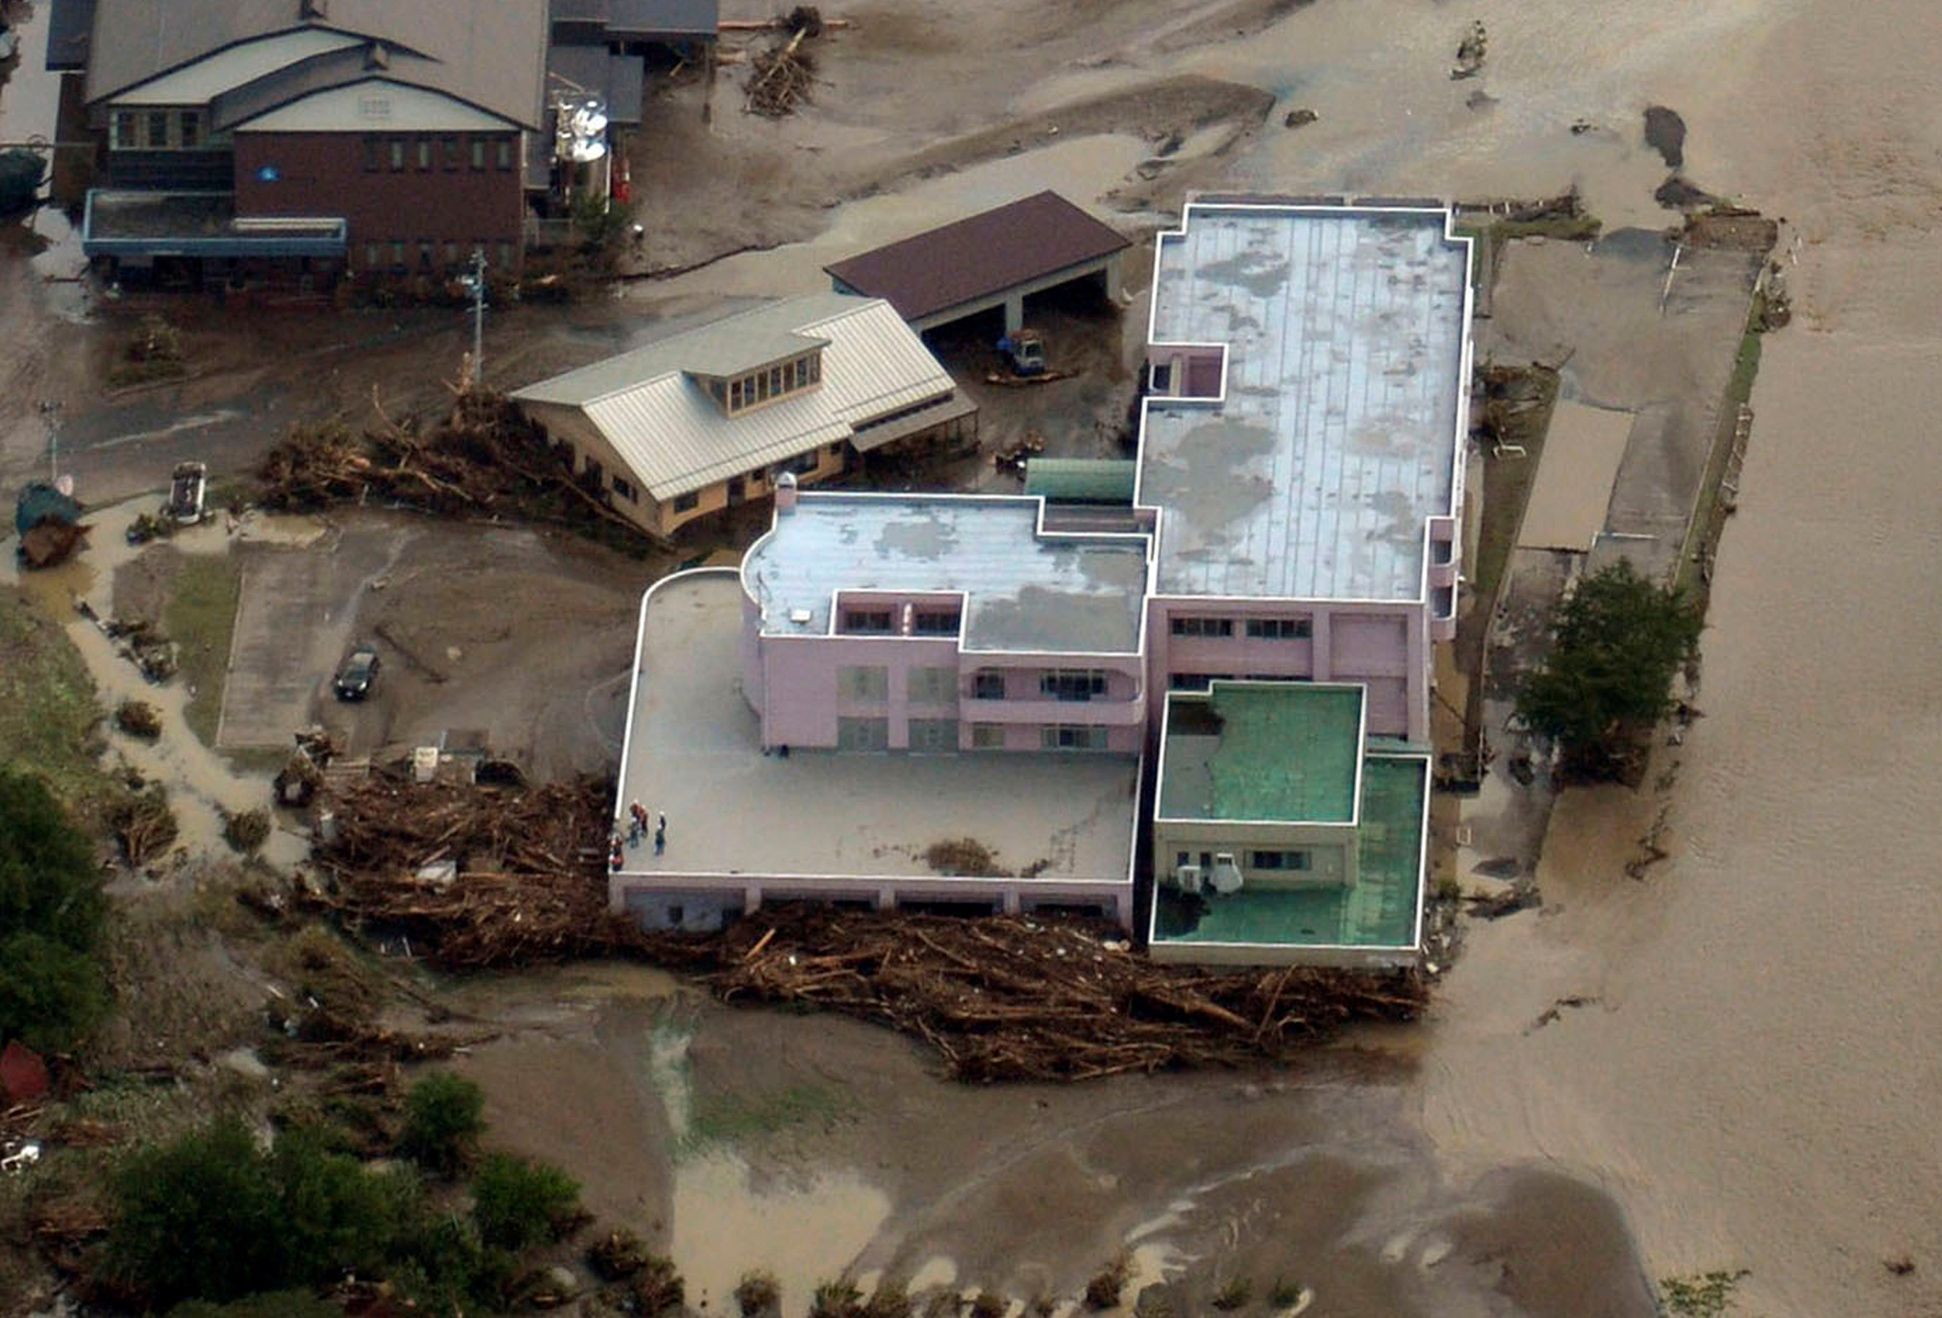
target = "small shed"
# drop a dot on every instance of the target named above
(996, 258)
(1081, 480)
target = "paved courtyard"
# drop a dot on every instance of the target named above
(695, 754)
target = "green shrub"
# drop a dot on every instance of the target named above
(277, 1304)
(48, 882)
(50, 994)
(518, 1204)
(444, 1115)
(757, 1293)
(837, 1298)
(1234, 1294)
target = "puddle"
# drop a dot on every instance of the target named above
(201, 783)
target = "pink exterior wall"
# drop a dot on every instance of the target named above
(1383, 646)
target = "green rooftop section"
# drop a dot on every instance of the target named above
(1281, 751)
(1379, 911)
(1081, 480)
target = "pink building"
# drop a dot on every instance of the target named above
(1302, 448)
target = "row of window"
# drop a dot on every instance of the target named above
(878, 621)
(1257, 629)
(1200, 681)
(738, 487)
(426, 255)
(939, 685)
(941, 736)
(156, 130)
(426, 153)
(771, 382)
(1283, 861)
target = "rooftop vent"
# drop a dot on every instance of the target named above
(309, 9)
(378, 56)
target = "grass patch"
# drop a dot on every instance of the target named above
(739, 1120)
(1708, 518)
(125, 374)
(200, 617)
(1703, 1295)
(48, 712)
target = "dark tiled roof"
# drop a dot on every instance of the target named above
(979, 256)
(489, 53)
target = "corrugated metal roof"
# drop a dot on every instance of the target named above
(980, 255)
(676, 440)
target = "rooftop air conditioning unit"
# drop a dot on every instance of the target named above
(1226, 877)
(1187, 878)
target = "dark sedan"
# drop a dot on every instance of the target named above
(357, 673)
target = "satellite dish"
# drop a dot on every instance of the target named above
(589, 121)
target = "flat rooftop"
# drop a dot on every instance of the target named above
(1024, 591)
(694, 752)
(1312, 478)
(1381, 910)
(1281, 751)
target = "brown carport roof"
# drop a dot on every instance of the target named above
(979, 256)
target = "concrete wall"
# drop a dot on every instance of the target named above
(709, 901)
(326, 174)
(1383, 646)
(1236, 954)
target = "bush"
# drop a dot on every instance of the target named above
(837, 1298)
(52, 991)
(1102, 1292)
(246, 830)
(1234, 1295)
(758, 1293)
(518, 1204)
(1616, 644)
(891, 1299)
(279, 1304)
(990, 1304)
(443, 1120)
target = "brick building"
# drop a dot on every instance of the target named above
(307, 138)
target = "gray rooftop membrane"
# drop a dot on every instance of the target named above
(1056, 594)
(1314, 477)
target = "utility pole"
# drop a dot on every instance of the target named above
(478, 281)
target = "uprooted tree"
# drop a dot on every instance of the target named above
(1616, 643)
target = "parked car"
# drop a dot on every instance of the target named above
(357, 674)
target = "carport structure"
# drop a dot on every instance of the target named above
(996, 258)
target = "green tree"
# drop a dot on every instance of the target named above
(518, 1204)
(1616, 643)
(197, 1218)
(50, 994)
(444, 1115)
(52, 991)
(276, 1304)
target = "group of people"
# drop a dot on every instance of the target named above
(637, 828)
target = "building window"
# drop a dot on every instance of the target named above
(424, 145)
(158, 129)
(425, 248)
(987, 736)
(1073, 683)
(686, 503)
(188, 125)
(1195, 681)
(1279, 629)
(373, 154)
(933, 686)
(373, 258)
(397, 149)
(867, 622)
(1203, 626)
(836, 449)
(451, 148)
(805, 463)
(862, 734)
(505, 256)
(398, 253)
(870, 682)
(625, 490)
(1292, 861)
(933, 734)
(505, 153)
(1068, 738)
(935, 622)
(124, 130)
(1162, 375)
(988, 685)
(478, 153)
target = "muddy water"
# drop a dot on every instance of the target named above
(201, 783)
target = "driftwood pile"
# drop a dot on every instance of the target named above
(1011, 998)
(783, 74)
(1018, 998)
(482, 459)
(525, 883)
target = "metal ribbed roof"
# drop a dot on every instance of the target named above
(647, 404)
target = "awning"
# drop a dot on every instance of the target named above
(872, 437)
(151, 224)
